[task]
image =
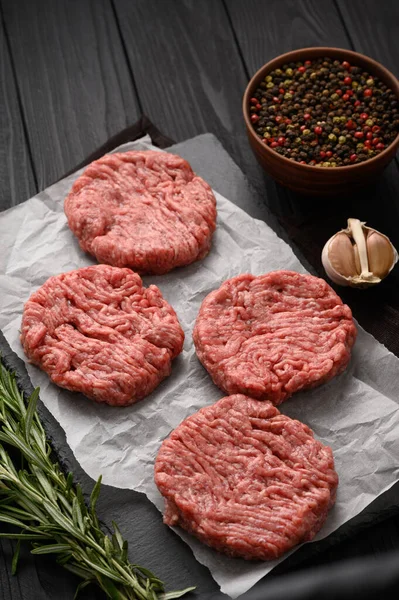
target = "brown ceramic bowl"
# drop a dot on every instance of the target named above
(307, 179)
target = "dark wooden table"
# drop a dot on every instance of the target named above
(75, 72)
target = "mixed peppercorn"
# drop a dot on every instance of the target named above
(324, 113)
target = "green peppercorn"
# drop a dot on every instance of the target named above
(332, 137)
(370, 122)
(370, 82)
(306, 132)
(288, 96)
(342, 139)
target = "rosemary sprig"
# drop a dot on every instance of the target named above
(37, 498)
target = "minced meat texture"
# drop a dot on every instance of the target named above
(98, 331)
(144, 210)
(272, 335)
(245, 479)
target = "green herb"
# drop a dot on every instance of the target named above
(37, 498)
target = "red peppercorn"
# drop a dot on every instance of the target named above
(274, 145)
(350, 124)
(369, 135)
(329, 154)
(353, 157)
(281, 140)
(375, 129)
(254, 101)
(302, 127)
(339, 92)
(312, 162)
(307, 63)
(364, 116)
(318, 130)
(276, 100)
(264, 140)
(301, 69)
(347, 81)
(258, 106)
(357, 103)
(306, 116)
(345, 97)
(322, 154)
(368, 92)
(282, 91)
(345, 64)
(279, 118)
(367, 143)
(380, 146)
(349, 92)
(359, 135)
(302, 162)
(288, 121)
(376, 141)
(254, 118)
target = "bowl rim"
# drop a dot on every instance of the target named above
(282, 58)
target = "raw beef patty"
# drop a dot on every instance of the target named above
(246, 479)
(145, 210)
(98, 331)
(272, 335)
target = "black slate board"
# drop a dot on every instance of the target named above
(141, 523)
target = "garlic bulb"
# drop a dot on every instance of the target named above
(358, 256)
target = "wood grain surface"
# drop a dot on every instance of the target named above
(373, 29)
(16, 175)
(74, 81)
(188, 71)
(266, 29)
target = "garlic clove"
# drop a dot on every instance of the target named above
(342, 257)
(380, 253)
(358, 256)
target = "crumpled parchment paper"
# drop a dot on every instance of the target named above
(357, 414)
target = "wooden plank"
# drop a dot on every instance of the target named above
(188, 71)
(266, 29)
(373, 29)
(16, 175)
(75, 85)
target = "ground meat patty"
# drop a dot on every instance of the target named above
(246, 479)
(98, 331)
(272, 335)
(145, 210)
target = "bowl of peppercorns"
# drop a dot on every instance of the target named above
(323, 121)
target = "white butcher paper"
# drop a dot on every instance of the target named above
(357, 413)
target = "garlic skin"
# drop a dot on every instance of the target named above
(358, 256)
